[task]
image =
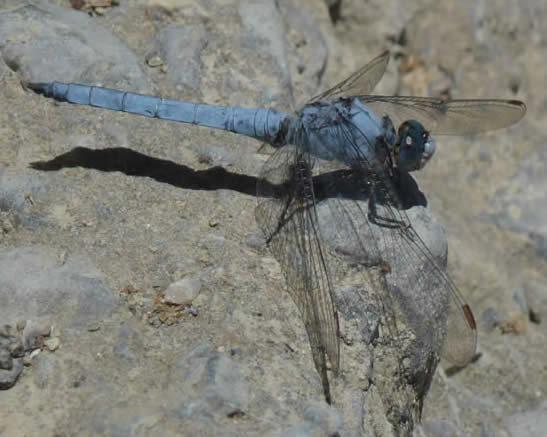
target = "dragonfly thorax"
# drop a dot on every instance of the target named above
(344, 130)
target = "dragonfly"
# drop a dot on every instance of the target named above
(342, 143)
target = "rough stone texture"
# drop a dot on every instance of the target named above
(69, 46)
(137, 204)
(181, 47)
(532, 422)
(36, 286)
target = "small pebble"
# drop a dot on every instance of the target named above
(520, 299)
(52, 343)
(490, 318)
(534, 316)
(514, 325)
(93, 327)
(183, 292)
(7, 331)
(155, 61)
(62, 257)
(27, 359)
(191, 310)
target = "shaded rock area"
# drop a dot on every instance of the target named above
(137, 295)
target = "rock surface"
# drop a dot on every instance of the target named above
(100, 212)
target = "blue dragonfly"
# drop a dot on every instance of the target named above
(343, 143)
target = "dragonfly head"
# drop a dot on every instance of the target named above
(414, 146)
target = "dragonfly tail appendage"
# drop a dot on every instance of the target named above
(40, 88)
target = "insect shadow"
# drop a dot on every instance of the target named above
(339, 183)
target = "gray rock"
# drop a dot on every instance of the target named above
(351, 304)
(322, 416)
(103, 212)
(34, 287)
(307, 44)
(256, 241)
(124, 351)
(254, 56)
(411, 299)
(490, 319)
(43, 369)
(531, 423)
(181, 47)
(192, 310)
(129, 342)
(263, 32)
(211, 384)
(66, 45)
(8, 378)
(14, 187)
(524, 210)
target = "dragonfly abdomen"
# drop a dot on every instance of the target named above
(260, 123)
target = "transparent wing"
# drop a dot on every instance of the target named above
(396, 266)
(452, 117)
(461, 336)
(361, 82)
(410, 284)
(397, 263)
(287, 216)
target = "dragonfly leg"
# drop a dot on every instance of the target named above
(384, 222)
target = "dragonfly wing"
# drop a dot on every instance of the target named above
(396, 262)
(287, 216)
(448, 117)
(408, 281)
(361, 82)
(460, 340)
